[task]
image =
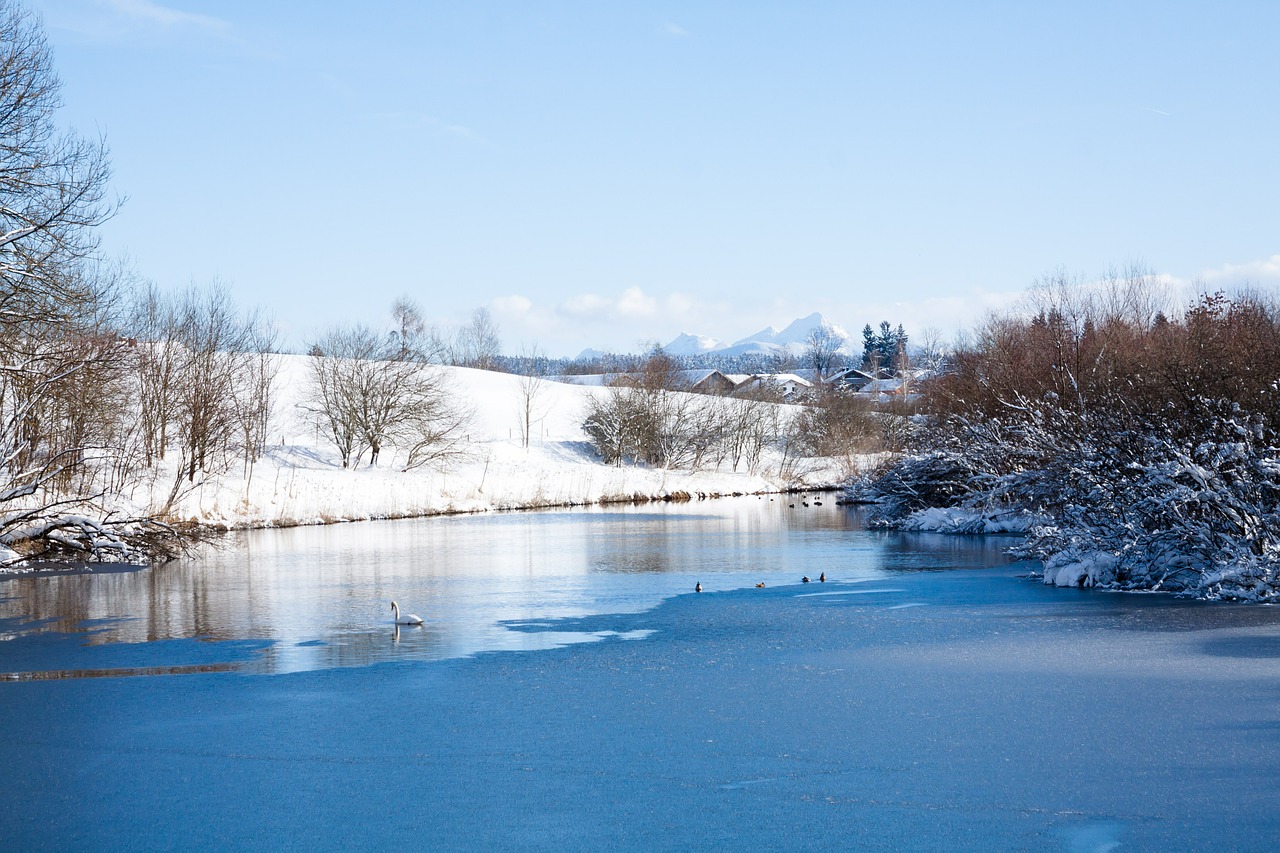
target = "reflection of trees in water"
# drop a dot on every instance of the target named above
(467, 575)
(759, 534)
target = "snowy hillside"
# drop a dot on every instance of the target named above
(301, 479)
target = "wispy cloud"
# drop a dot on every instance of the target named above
(675, 30)
(625, 321)
(409, 120)
(145, 11)
(1156, 111)
(1264, 272)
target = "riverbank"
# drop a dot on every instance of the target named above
(301, 481)
(933, 711)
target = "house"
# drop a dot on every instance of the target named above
(787, 386)
(854, 379)
(707, 382)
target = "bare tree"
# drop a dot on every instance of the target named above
(532, 385)
(932, 351)
(368, 391)
(257, 367)
(822, 350)
(643, 420)
(153, 330)
(478, 344)
(211, 335)
(410, 329)
(59, 361)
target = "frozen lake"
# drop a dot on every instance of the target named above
(927, 697)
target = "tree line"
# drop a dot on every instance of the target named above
(112, 389)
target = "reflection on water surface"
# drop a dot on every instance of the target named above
(320, 596)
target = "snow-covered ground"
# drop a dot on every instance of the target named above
(961, 520)
(301, 480)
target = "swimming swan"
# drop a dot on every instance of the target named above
(409, 618)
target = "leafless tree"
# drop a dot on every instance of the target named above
(532, 388)
(411, 333)
(368, 391)
(822, 350)
(643, 420)
(478, 343)
(257, 367)
(932, 350)
(747, 431)
(153, 329)
(59, 362)
(212, 336)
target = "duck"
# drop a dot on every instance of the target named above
(697, 587)
(804, 579)
(760, 585)
(407, 619)
(822, 578)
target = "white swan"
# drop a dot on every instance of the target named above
(407, 619)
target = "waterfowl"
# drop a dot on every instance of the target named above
(823, 577)
(760, 585)
(408, 619)
(804, 579)
(697, 587)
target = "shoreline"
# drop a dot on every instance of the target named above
(50, 568)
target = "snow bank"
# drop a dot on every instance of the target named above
(1073, 567)
(961, 520)
(301, 481)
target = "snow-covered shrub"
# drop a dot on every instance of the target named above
(931, 480)
(1151, 510)
(1141, 452)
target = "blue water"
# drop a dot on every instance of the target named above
(317, 597)
(570, 692)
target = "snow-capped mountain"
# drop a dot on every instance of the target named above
(769, 341)
(687, 344)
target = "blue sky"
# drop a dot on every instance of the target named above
(601, 174)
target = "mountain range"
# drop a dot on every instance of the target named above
(792, 340)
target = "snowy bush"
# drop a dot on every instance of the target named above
(1137, 454)
(1152, 511)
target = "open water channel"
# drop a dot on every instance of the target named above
(316, 597)
(570, 691)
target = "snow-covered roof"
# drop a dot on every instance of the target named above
(780, 378)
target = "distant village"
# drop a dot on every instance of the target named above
(807, 359)
(798, 386)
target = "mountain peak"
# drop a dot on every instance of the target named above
(793, 339)
(689, 344)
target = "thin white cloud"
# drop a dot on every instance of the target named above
(626, 321)
(1156, 111)
(1264, 272)
(411, 120)
(586, 305)
(632, 319)
(148, 12)
(675, 30)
